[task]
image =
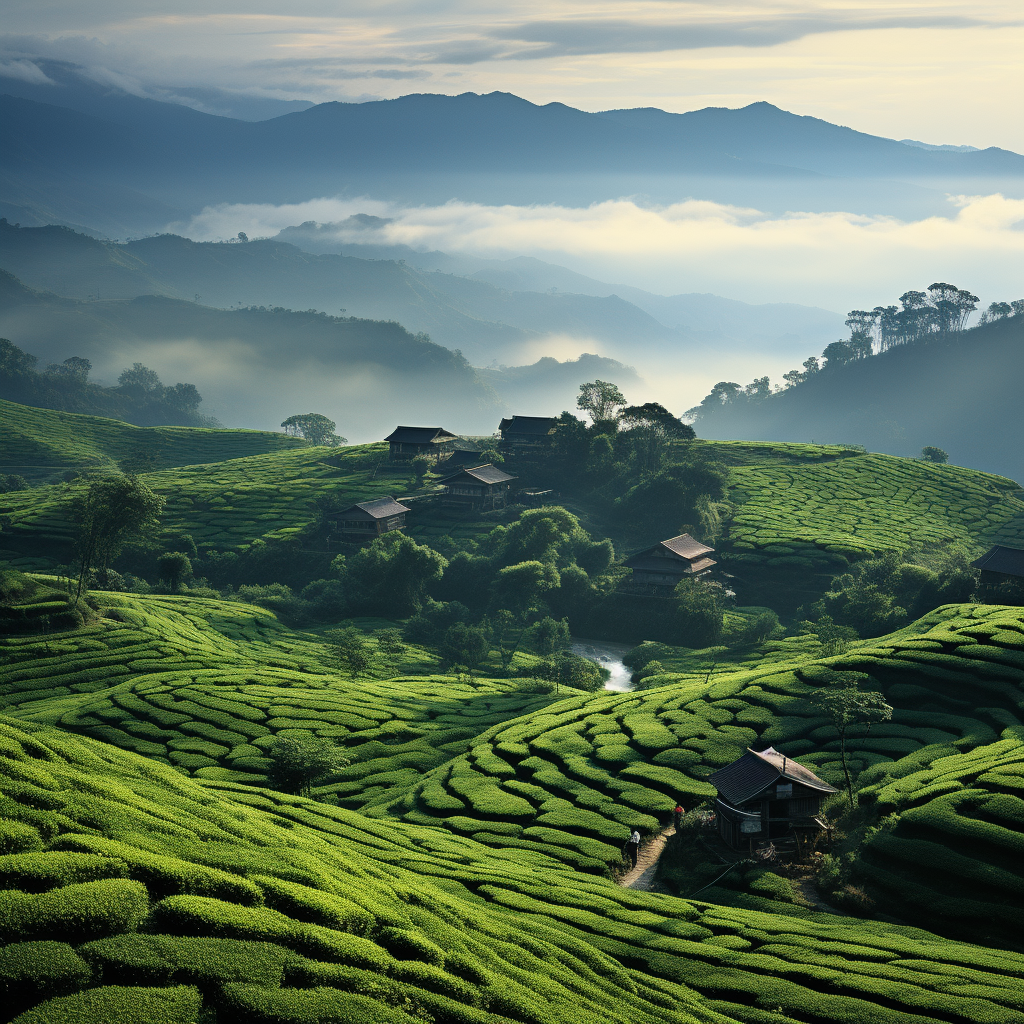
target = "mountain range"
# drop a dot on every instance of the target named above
(119, 163)
(494, 311)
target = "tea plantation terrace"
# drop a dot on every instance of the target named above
(132, 893)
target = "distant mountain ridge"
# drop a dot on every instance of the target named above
(960, 392)
(499, 313)
(428, 147)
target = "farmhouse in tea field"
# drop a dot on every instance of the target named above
(765, 796)
(464, 453)
(408, 442)
(670, 561)
(526, 433)
(368, 519)
(478, 487)
(1001, 566)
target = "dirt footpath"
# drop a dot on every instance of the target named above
(642, 876)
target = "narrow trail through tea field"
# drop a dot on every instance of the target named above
(642, 876)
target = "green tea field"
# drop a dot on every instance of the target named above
(41, 441)
(131, 893)
(206, 685)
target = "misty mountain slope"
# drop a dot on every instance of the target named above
(484, 321)
(253, 367)
(698, 317)
(959, 392)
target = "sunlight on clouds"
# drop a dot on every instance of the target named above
(836, 260)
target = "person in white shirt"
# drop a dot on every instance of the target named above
(633, 848)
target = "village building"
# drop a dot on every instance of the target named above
(409, 442)
(464, 453)
(369, 519)
(765, 796)
(1001, 568)
(526, 433)
(670, 561)
(479, 487)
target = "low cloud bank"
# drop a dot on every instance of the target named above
(838, 260)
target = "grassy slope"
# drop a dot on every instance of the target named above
(577, 775)
(132, 893)
(42, 440)
(206, 685)
(795, 507)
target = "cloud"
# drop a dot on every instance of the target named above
(24, 71)
(837, 260)
(597, 36)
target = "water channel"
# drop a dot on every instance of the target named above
(609, 656)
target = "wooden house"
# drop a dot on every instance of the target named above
(464, 453)
(1002, 569)
(477, 487)
(670, 561)
(408, 442)
(526, 433)
(369, 519)
(765, 796)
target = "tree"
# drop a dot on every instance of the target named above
(73, 371)
(847, 706)
(507, 632)
(601, 399)
(837, 354)
(792, 378)
(834, 639)
(390, 575)
(175, 567)
(110, 512)
(183, 397)
(810, 366)
(567, 669)
(390, 646)
(297, 764)
(521, 587)
(551, 635)
(421, 466)
(348, 647)
(931, 454)
(492, 456)
(699, 606)
(464, 645)
(140, 381)
(14, 362)
(759, 388)
(139, 459)
(649, 429)
(315, 428)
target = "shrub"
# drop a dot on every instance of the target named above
(166, 960)
(403, 944)
(16, 837)
(75, 913)
(30, 971)
(37, 872)
(257, 1005)
(115, 1005)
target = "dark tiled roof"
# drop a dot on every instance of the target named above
(1009, 561)
(648, 563)
(686, 547)
(380, 508)
(462, 445)
(419, 435)
(484, 474)
(528, 424)
(756, 770)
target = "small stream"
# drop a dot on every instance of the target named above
(609, 656)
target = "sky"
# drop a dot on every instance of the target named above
(939, 72)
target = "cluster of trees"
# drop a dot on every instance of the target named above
(941, 309)
(315, 428)
(880, 595)
(139, 397)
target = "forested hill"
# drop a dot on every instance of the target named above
(959, 392)
(254, 366)
(484, 321)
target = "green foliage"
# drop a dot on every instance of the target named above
(390, 575)
(315, 428)
(296, 765)
(112, 1004)
(174, 567)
